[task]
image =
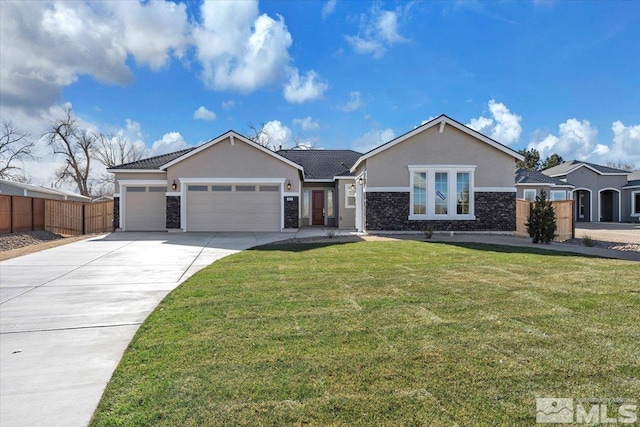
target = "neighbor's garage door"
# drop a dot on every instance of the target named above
(145, 209)
(233, 207)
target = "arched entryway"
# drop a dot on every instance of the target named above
(609, 205)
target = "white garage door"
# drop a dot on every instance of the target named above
(240, 207)
(145, 209)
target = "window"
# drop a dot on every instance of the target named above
(441, 192)
(197, 188)
(269, 188)
(420, 193)
(157, 190)
(220, 188)
(245, 188)
(635, 203)
(462, 193)
(330, 203)
(350, 196)
(136, 189)
(530, 195)
(558, 195)
(305, 204)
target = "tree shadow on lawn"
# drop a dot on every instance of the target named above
(301, 246)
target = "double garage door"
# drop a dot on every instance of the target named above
(233, 207)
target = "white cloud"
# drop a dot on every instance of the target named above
(48, 45)
(328, 8)
(353, 104)
(275, 135)
(228, 104)
(626, 143)
(238, 48)
(378, 32)
(575, 140)
(170, 142)
(203, 114)
(503, 126)
(372, 139)
(307, 124)
(308, 88)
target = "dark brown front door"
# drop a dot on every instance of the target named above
(317, 208)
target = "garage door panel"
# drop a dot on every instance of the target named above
(234, 210)
(145, 210)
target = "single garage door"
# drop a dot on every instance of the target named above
(145, 209)
(240, 207)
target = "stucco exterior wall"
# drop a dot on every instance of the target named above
(142, 176)
(240, 160)
(452, 147)
(585, 178)
(547, 188)
(346, 216)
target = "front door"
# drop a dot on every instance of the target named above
(317, 207)
(606, 206)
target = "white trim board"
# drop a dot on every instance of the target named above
(387, 189)
(494, 189)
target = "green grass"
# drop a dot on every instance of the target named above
(381, 333)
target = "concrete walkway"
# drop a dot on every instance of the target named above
(68, 313)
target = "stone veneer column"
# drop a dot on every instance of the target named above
(116, 213)
(291, 212)
(173, 212)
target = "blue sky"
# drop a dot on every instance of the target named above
(560, 76)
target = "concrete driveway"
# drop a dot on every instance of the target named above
(68, 313)
(609, 231)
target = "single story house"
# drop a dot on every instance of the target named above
(441, 175)
(598, 190)
(631, 197)
(13, 188)
(530, 184)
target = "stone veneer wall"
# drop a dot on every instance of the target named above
(116, 212)
(390, 211)
(291, 213)
(173, 212)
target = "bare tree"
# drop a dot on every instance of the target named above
(621, 164)
(16, 146)
(259, 135)
(111, 151)
(76, 147)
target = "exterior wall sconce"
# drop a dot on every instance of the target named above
(353, 187)
(288, 185)
(174, 186)
(361, 181)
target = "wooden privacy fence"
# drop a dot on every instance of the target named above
(564, 218)
(19, 214)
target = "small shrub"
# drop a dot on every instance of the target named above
(542, 220)
(329, 234)
(427, 233)
(588, 241)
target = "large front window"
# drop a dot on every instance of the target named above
(635, 201)
(441, 192)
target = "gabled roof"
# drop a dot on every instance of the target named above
(441, 120)
(234, 136)
(323, 164)
(524, 177)
(571, 165)
(152, 163)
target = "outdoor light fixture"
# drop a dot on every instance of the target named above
(353, 187)
(361, 180)
(288, 185)
(174, 186)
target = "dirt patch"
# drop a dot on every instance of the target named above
(13, 245)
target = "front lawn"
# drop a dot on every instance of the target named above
(381, 333)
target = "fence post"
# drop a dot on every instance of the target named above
(11, 214)
(84, 219)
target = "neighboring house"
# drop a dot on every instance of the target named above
(12, 188)
(442, 175)
(530, 184)
(631, 198)
(598, 190)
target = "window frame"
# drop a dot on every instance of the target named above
(635, 207)
(452, 189)
(347, 190)
(527, 190)
(331, 201)
(306, 203)
(552, 192)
